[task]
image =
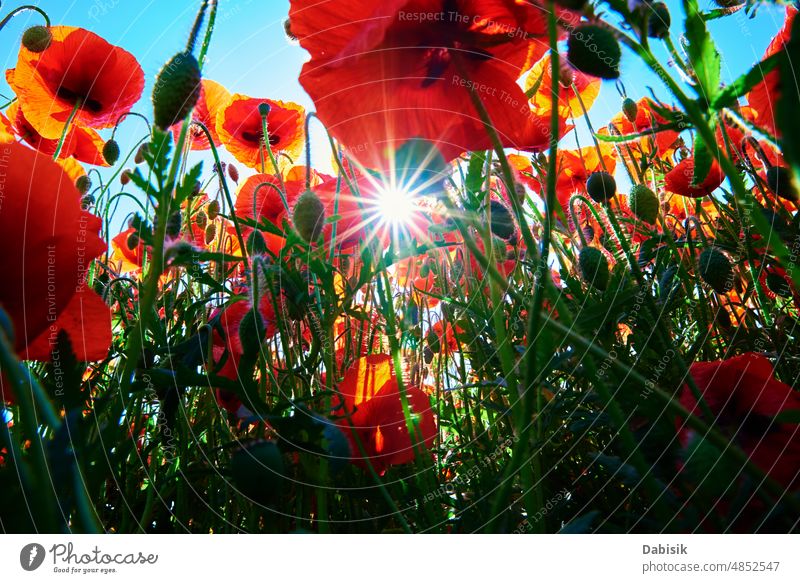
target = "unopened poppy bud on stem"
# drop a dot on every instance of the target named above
(716, 270)
(601, 186)
(309, 216)
(594, 267)
(111, 152)
(37, 39)
(176, 90)
(594, 50)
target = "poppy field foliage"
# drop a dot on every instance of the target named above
(490, 310)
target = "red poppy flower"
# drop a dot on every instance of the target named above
(540, 78)
(54, 242)
(679, 179)
(213, 98)
(646, 119)
(78, 69)
(6, 130)
(81, 143)
(241, 131)
(446, 335)
(745, 397)
(370, 396)
(259, 198)
(383, 72)
(227, 349)
(764, 96)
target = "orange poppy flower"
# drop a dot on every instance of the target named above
(6, 130)
(240, 129)
(55, 242)
(125, 257)
(764, 96)
(679, 179)
(81, 143)
(370, 397)
(401, 76)
(213, 97)
(259, 198)
(646, 119)
(540, 78)
(78, 69)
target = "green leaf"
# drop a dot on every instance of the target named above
(788, 105)
(702, 160)
(744, 84)
(703, 54)
(474, 179)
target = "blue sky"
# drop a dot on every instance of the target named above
(250, 54)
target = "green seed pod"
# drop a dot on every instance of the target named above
(309, 216)
(644, 203)
(594, 267)
(594, 50)
(111, 152)
(716, 270)
(601, 186)
(502, 223)
(37, 38)
(258, 471)
(630, 109)
(176, 90)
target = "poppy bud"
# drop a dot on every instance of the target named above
(728, 3)
(233, 172)
(659, 20)
(125, 177)
(133, 241)
(213, 209)
(251, 332)
(715, 269)
(37, 38)
(83, 184)
(594, 50)
(778, 285)
(309, 216)
(601, 186)
(256, 245)
(176, 90)
(779, 181)
(138, 158)
(201, 219)
(263, 109)
(434, 344)
(211, 232)
(502, 223)
(425, 269)
(87, 201)
(427, 354)
(630, 109)
(174, 224)
(594, 267)
(111, 152)
(287, 28)
(644, 203)
(258, 471)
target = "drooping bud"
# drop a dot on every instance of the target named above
(594, 50)
(716, 270)
(309, 216)
(644, 203)
(125, 177)
(176, 90)
(779, 181)
(201, 219)
(594, 267)
(111, 152)
(233, 172)
(601, 186)
(251, 332)
(778, 285)
(502, 223)
(37, 38)
(658, 21)
(630, 109)
(211, 232)
(138, 158)
(256, 244)
(213, 209)
(83, 184)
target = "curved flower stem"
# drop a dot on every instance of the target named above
(16, 11)
(67, 125)
(272, 158)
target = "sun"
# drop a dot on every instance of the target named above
(395, 206)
